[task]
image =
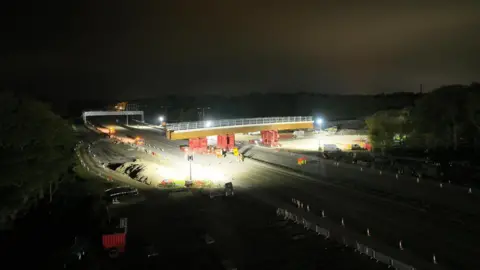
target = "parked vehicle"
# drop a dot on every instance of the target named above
(226, 191)
(229, 189)
(117, 193)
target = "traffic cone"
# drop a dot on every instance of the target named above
(434, 259)
(343, 223)
(400, 245)
(368, 232)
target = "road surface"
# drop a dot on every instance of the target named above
(429, 220)
(247, 232)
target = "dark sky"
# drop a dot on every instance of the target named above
(142, 48)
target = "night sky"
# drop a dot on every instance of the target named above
(133, 49)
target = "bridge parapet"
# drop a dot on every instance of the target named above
(85, 114)
(211, 124)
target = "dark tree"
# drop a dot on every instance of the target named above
(36, 150)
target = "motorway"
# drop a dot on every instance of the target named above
(429, 220)
(247, 232)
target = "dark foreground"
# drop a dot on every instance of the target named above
(247, 234)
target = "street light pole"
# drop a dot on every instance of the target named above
(190, 171)
(190, 159)
(165, 111)
(201, 112)
(319, 122)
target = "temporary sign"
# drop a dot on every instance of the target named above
(301, 161)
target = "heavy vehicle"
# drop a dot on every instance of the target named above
(229, 189)
(114, 237)
(136, 140)
(121, 106)
(184, 148)
(226, 191)
(298, 134)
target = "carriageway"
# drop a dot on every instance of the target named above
(197, 132)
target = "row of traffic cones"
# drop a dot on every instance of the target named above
(300, 204)
(342, 221)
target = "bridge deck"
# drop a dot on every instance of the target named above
(226, 123)
(86, 114)
(200, 129)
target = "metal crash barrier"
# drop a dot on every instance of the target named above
(363, 249)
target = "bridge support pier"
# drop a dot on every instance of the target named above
(198, 144)
(226, 141)
(270, 137)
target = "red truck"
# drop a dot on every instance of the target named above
(114, 238)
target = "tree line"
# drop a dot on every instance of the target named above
(448, 118)
(36, 152)
(331, 107)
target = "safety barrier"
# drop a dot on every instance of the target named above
(361, 248)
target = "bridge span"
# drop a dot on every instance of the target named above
(225, 130)
(188, 130)
(86, 114)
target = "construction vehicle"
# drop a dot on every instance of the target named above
(226, 191)
(139, 141)
(114, 237)
(298, 134)
(122, 106)
(136, 140)
(229, 189)
(330, 148)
